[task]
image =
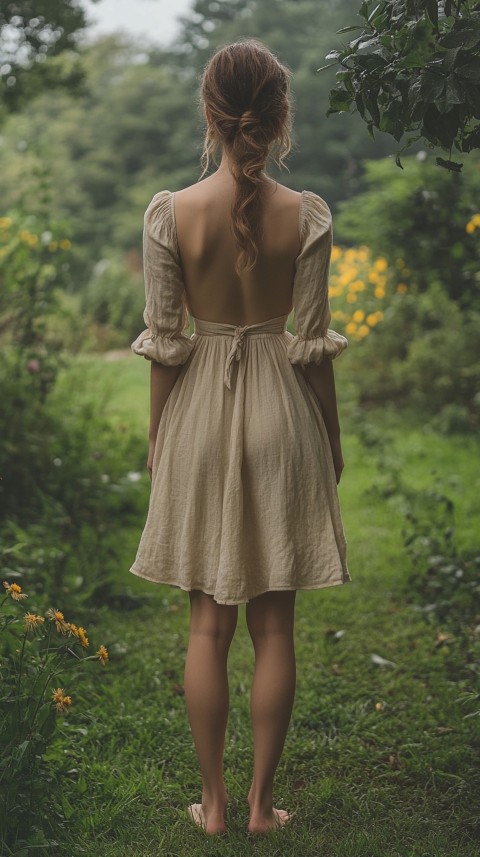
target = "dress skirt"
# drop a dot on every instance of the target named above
(243, 496)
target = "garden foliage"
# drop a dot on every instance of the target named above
(414, 67)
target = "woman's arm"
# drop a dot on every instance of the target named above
(321, 378)
(162, 382)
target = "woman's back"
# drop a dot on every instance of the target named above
(214, 291)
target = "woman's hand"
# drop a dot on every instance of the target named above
(338, 462)
(151, 453)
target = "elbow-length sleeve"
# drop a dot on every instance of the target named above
(164, 340)
(313, 340)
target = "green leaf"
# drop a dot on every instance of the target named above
(340, 99)
(374, 12)
(466, 35)
(373, 41)
(363, 11)
(360, 104)
(455, 92)
(333, 55)
(323, 67)
(449, 59)
(453, 166)
(473, 97)
(432, 11)
(470, 70)
(431, 86)
(349, 29)
(67, 807)
(398, 161)
(414, 59)
(372, 106)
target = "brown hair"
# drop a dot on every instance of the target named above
(246, 91)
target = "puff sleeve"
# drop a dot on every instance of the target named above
(313, 340)
(164, 340)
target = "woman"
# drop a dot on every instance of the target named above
(245, 453)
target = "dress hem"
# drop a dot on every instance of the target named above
(324, 585)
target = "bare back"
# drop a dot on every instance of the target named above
(214, 291)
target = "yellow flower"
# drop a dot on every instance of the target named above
(358, 315)
(379, 314)
(372, 319)
(32, 621)
(61, 701)
(32, 240)
(351, 297)
(379, 292)
(102, 655)
(363, 330)
(24, 235)
(14, 590)
(470, 227)
(336, 253)
(381, 264)
(5, 222)
(402, 288)
(53, 246)
(334, 291)
(72, 628)
(58, 617)
(82, 637)
(351, 327)
(476, 219)
(65, 244)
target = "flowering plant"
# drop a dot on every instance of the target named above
(36, 649)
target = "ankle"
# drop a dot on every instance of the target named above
(215, 801)
(260, 804)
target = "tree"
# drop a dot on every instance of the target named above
(415, 67)
(30, 32)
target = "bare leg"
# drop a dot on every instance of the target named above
(212, 627)
(270, 621)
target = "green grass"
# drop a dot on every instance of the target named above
(378, 760)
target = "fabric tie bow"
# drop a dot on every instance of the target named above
(234, 354)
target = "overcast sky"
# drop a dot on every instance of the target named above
(153, 19)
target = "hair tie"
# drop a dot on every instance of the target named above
(248, 119)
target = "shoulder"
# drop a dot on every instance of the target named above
(160, 204)
(158, 217)
(315, 213)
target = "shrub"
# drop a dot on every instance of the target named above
(38, 653)
(64, 479)
(114, 299)
(424, 215)
(423, 356)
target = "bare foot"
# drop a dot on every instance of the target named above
(210, 822)
(262, 824)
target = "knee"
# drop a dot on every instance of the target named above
(217, 622)
(271, 616)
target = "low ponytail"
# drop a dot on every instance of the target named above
(246, 92)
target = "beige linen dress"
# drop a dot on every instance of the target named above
(243, 496)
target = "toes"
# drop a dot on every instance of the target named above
(282, 816)
(195, 811)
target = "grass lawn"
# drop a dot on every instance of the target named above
(379, 760)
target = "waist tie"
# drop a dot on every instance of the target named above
(238, 332)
